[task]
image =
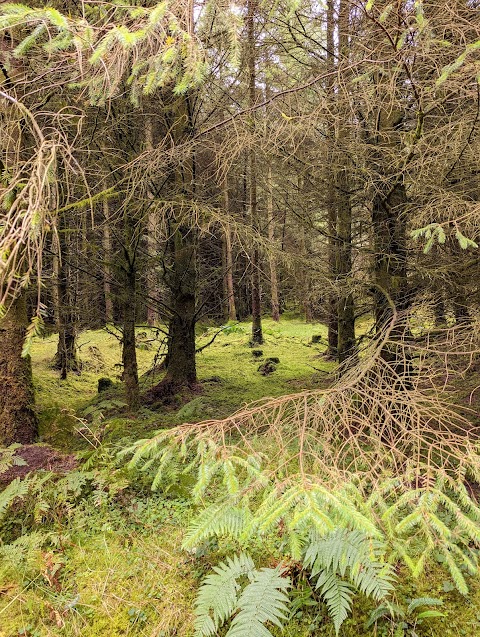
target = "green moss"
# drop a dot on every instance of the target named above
(227, 371)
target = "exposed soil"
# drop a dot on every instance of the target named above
(39, 457)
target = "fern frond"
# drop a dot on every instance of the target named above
(16, 489)
(387, 609)
(276, 506)
(263, 601)
(218, 595)
(206, 472)
(344, 509)
(423, 601)
(352, 551)
(456, 573)
(8, 458)
(217, 520)
(337, 595)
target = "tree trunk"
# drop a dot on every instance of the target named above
(107, 257)
(332, 302)
(257, 335)
(228, 265)
(153, 316)
(391, 295)
(129, 303)
(181, 369)
(18, 421)
(271, 238)
(389, 227)
(181, 275)
(66, 355)
(129, 352)
(346, 342)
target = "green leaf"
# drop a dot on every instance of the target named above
(218, 595)
(430, 613)
(263, 600)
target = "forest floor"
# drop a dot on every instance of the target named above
(113, 566)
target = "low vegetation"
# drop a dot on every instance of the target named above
(228, 526)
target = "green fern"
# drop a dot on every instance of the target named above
(262, 601)
(16, 489)
(9, 457)
(220, 519)
(218, 595)
(351, 554)
(338, 596)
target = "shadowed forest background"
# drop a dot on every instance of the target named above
(239, 334)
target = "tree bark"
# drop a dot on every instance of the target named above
(346, 342)
(18, 421)
(129, 352)
(153, 316)
(271, 238)
(66, 355)
(391, 294)
(332, 301)
(389, 227)
(181, 369)
(181, 273)
(257, 334)
(228, 266)
(107, 258)
(129, 303)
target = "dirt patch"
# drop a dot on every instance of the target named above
(39, 457)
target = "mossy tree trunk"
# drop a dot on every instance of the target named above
(18, 420)
(389, 226)
(180, 274)
(346, 342)
(271, 237)
(181, 367)
(391, 282)
(332, 299)
(107, 258)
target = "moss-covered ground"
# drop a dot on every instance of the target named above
(114, 568)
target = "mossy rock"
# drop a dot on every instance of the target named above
(267, 368)
(104, 384)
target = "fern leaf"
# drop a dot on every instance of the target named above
(351, 552)
(276, 506)
(337, 595)
(423, 601)
(218, 519)
(16, 489)
(230, 479)
(263, 600)
(218, 594)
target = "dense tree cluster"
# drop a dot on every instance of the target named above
(171, 163)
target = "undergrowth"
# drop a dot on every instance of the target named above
(296, 512)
